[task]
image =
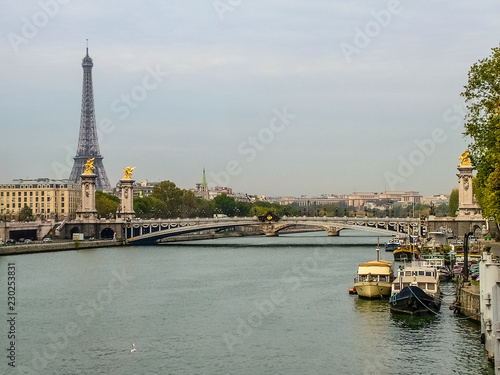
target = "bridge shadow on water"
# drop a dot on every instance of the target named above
(269, 245)
(310, 239)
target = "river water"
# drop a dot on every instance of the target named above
(251, 305)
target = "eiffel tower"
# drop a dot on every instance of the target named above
(88, 144)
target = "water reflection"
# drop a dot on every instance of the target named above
(406, 321)
(367, 306)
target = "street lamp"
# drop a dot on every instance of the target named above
(466, 253)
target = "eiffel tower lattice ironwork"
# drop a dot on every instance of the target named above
(88, 144)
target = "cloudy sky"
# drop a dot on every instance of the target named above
(270, 97)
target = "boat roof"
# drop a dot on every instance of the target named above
(375, 263)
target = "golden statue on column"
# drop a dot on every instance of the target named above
(464, 159)
(89, 166)
(128, 173)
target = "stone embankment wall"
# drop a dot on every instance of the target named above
(55, 246)
(469, 298)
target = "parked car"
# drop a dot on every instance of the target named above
(28, 241)
(21, 240)
(2, 243)
(47, 239)
(11, 242)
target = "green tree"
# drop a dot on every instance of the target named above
(26, 213)
(243, 208)
(106, 204)
(442, 210)
(421, 209)
(169, 201)
(171, 195)
(190, 204)
(149, 207)
(225, 205)
(482, 124)
(206, 208)
(453, 205)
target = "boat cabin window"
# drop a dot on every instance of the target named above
(396, 287)
(431, 287)
(421, 285)
(428, 273)
(408, 273)
(421, 273)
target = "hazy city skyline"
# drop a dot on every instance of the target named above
(284, 98)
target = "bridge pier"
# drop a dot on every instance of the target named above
(333, 232)
(271, 234)
(271, 229)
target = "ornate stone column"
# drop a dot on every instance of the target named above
(87, 210)
(127, 202)
(467, 207)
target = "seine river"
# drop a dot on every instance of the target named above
(251, 305)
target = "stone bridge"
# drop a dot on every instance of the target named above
(139, 232)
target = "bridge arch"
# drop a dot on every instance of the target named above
(146, 232)
(477, 230)
(107, 234)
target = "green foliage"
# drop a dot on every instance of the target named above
(331, 210)
(169, 201)
(106, 204)
(261, 208)
(482, 124)
(26, 214)
(225, 205)
(443, 210)
(171, 196)
(453, 206)
(231, 207)
(149, 207)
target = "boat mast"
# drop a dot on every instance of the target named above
(378, 249)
